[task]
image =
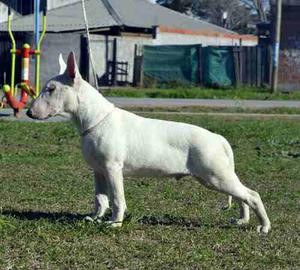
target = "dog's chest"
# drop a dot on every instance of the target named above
(91, 150)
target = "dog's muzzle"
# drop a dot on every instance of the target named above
(29, 113)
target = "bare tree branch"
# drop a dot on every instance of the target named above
(258, 6)
(240, 13)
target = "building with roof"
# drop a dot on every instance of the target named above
(26, 7)
(3, 12)
(289, 59)
(117, 29)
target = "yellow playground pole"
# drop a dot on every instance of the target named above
(13, 52)
(38, 56)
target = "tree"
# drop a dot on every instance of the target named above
(259, 6)
(182, 6)
(240, 13)
(237, 14)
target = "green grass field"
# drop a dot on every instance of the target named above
(245, 93)
(46, 189)
(202, 109)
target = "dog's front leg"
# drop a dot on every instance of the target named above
(101, 197)
(114, 178)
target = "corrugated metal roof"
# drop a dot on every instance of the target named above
(142, 13)
(69, 18)
(108, 13)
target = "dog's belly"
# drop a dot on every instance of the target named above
(138, 170)
(159, 165)
(152, 172)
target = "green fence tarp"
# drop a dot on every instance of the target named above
(218, 66)
(171, 63)
(180, 63)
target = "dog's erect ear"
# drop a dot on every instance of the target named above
(62, 64)
(72, 69)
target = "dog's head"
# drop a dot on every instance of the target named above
(58, 95)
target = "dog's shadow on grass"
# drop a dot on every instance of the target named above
(168, 220)
(63, 217)
(164, 220)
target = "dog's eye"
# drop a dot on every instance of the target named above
(51, 88)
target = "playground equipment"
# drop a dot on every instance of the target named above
(26, 52)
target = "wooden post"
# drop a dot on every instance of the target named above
(135, 66)
(138, 67)
(253, 66)
(244, 65)
(114, 64)
(258, 66)
(236, 60)
(200, 65)
(248, 67)
(270, 52)
(142, 69)
(276, 45)
(84, 59)
(107, 46)
(264, 63)
(241, 63)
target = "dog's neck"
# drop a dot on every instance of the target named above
(92, 107)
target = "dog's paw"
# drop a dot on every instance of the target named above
(226, 207)
(263, 229)
(93, 219)
(114, 224)
(239, 221)
(89, 219)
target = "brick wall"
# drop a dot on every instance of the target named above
(289, 61)
(289, 70)
(290, 29)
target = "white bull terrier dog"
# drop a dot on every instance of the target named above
(117, 143)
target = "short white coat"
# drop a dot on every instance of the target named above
(117, 143)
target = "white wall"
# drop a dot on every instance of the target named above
(174, 38)
(126, 46)
(125, 52)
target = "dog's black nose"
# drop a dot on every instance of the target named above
(29, 113)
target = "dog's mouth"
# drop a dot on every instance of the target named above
(32, 116)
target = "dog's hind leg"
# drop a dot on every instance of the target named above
(244, 214)
(229, 183)
(229, 204)
(114, 178)
(229, 201)
(101, 197)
